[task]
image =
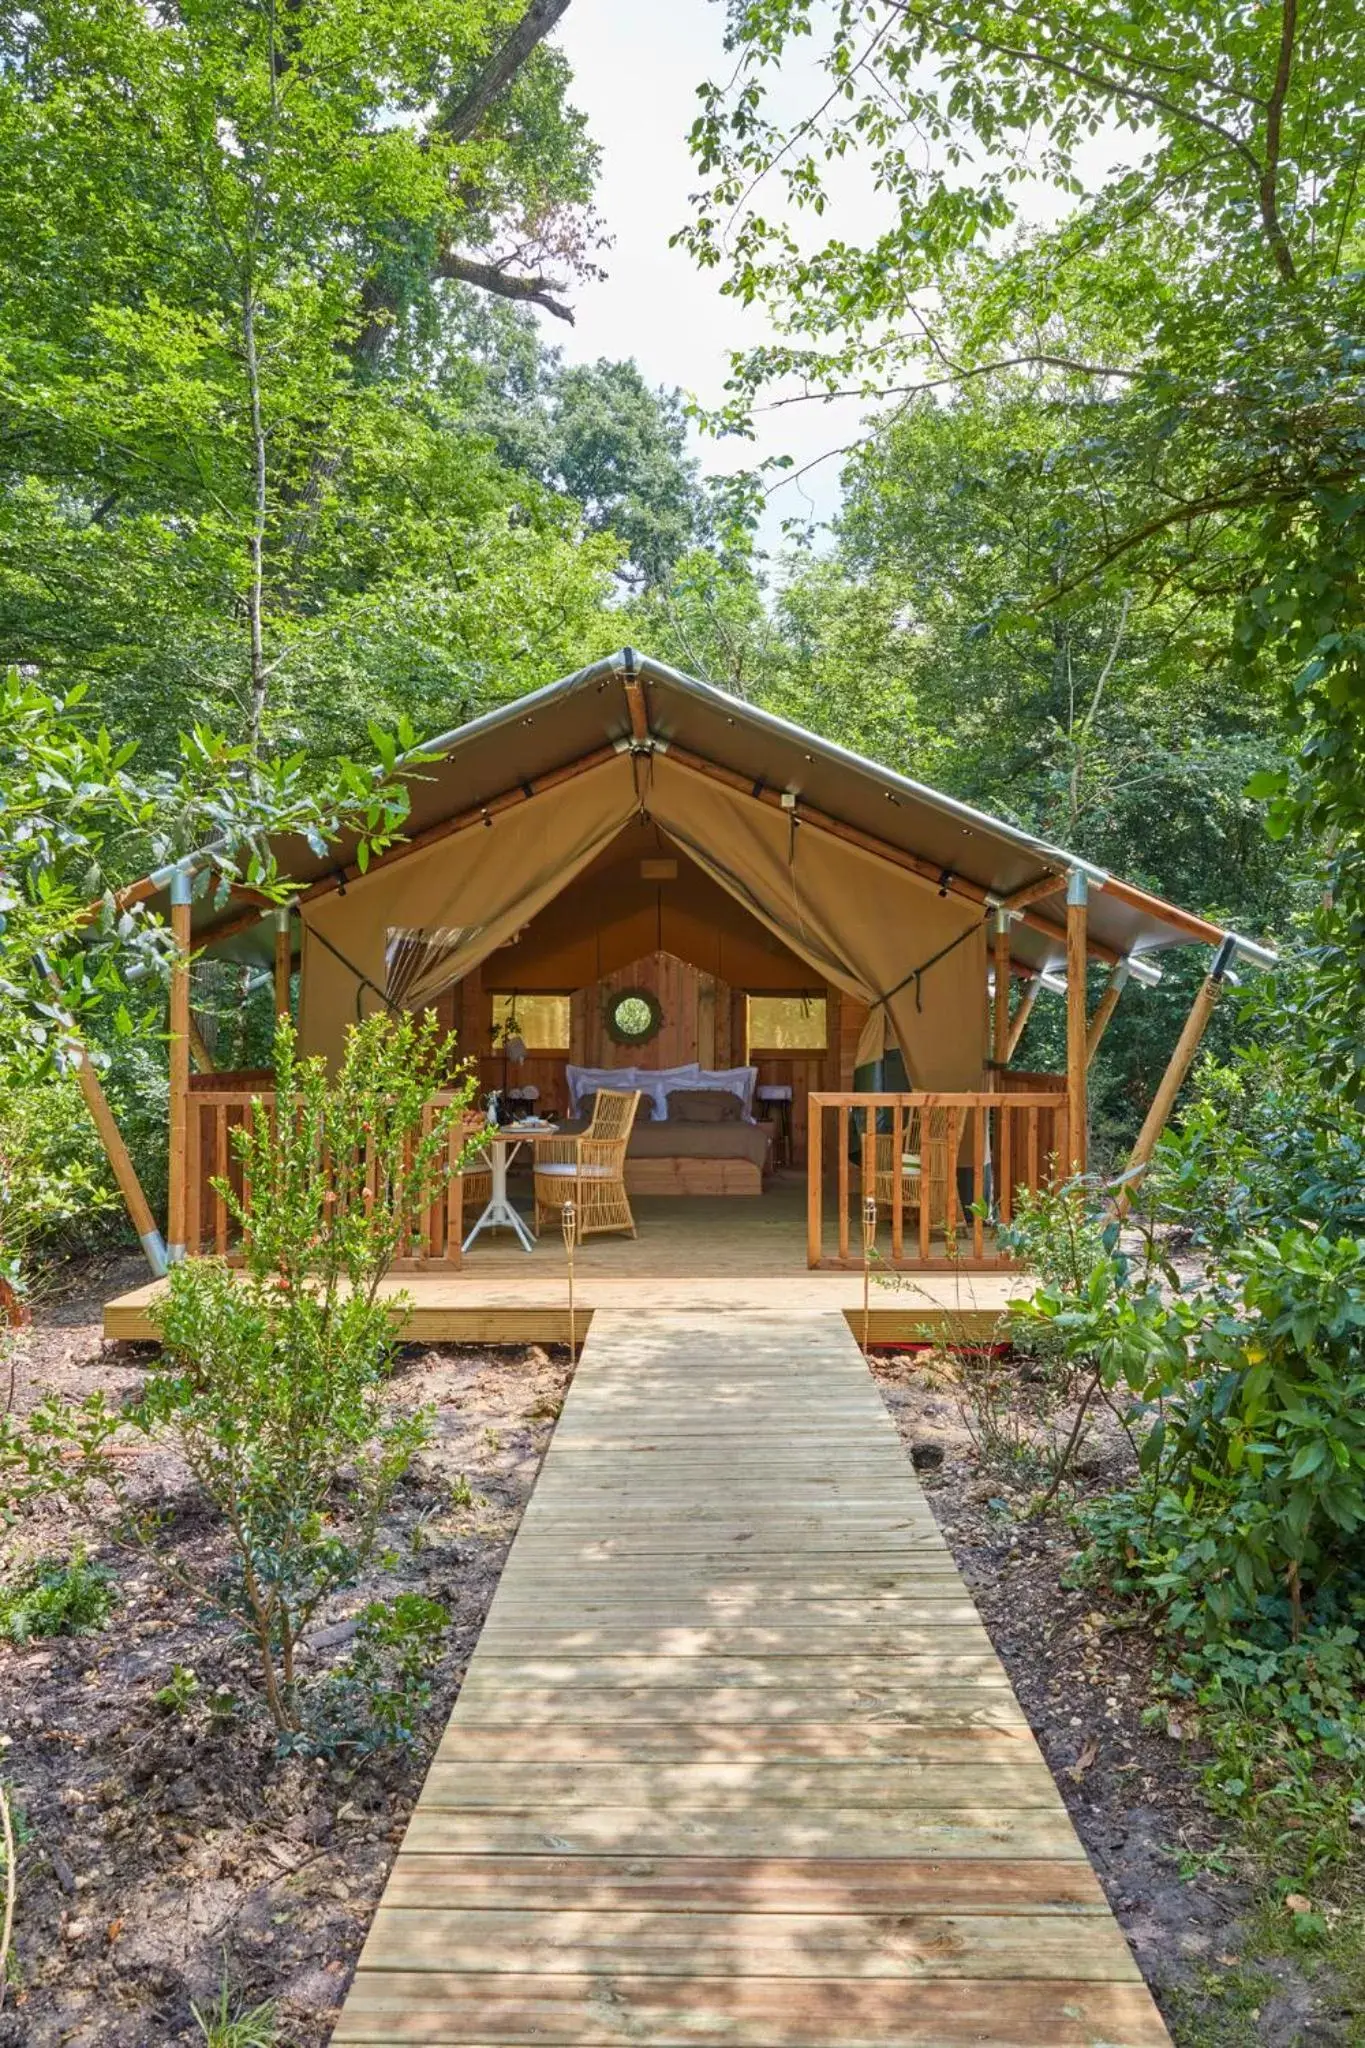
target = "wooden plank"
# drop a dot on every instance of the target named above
(438, 2007)
(686, 1884)
(580, 1942)
(734, 1763)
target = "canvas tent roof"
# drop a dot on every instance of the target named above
(874, 879)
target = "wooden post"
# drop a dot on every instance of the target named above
(1000, 1049)
(116, 1152)
(1105, 1008)
(203, 1058)
(178, 1195)
(284, 963)
(1022, 1015)
(1181, 1060)
(1077, 893)
(815, 1170)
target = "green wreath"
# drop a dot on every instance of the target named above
(632, 1016)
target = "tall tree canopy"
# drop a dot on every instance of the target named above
(1188, 333)
(221, 227)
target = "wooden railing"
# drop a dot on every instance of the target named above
(215, 1111)
(944, 1170)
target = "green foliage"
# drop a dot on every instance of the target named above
(1245, 1398)
(57, 1448)
(271, 1386)
(1266, 1141)
(179, 1692)
(71, 1599)
(227, 2023)
(228, 481)
(378, 1696)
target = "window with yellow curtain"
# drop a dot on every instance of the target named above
(786, 1023)
(543, 1021)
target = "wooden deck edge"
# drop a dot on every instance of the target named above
(127, 1319)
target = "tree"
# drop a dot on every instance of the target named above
(595, 434)
(1194, 317)
(219, 226)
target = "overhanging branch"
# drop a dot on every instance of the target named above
(505, 284)
(457, 122)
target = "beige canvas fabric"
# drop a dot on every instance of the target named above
(861, 921)
(476, 888)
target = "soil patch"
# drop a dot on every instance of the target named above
(164, 1848)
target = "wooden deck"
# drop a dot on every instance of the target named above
(692, 1253)
(734, 1764)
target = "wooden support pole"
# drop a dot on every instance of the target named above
(178, 1195)
(1022, 1015)
(1105, 1008)
(284, 964)
(1077, 893)
(116, 1152)
(1178, 1066)
(1000, 1050)
(203, 1058)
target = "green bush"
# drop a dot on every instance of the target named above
(378, 1696)
(71, 1599)
(1265, 1144)
(272, 1376)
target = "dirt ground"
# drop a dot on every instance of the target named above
(165, 1849)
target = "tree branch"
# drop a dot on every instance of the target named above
(457, 121)
(1268, 190)
(504, 284)
(1111, 88)
(959, 376)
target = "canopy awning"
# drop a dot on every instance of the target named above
(870, 875)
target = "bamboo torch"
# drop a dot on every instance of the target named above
(869, 1246)
(568, 1218)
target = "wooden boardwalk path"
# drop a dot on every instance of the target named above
(734, 1764)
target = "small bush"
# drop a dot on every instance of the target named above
(378, 1696)
(73, 1599)
(272, 1378)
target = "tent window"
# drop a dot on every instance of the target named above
(786, 1023)
(541, 1021)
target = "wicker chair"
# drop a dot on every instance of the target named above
(590, 1170)
(477, 1180)
(918, 1145)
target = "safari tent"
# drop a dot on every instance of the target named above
(632, 843)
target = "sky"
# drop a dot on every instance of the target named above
(637, 65)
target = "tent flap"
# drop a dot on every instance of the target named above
(865, 923)
(476, 888)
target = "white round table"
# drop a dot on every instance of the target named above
(502, 1143)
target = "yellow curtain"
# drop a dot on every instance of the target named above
(863, 922)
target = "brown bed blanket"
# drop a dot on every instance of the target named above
(666, 1139)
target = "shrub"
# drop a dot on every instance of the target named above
(1265, 1144)
(377, 1697)
(73, 1599)
(271, 1379)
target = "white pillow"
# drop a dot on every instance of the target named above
(740, 1081)
(587, 1080)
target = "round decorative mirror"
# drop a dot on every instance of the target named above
(634, 1016)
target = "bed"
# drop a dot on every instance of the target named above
(672, 1154)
